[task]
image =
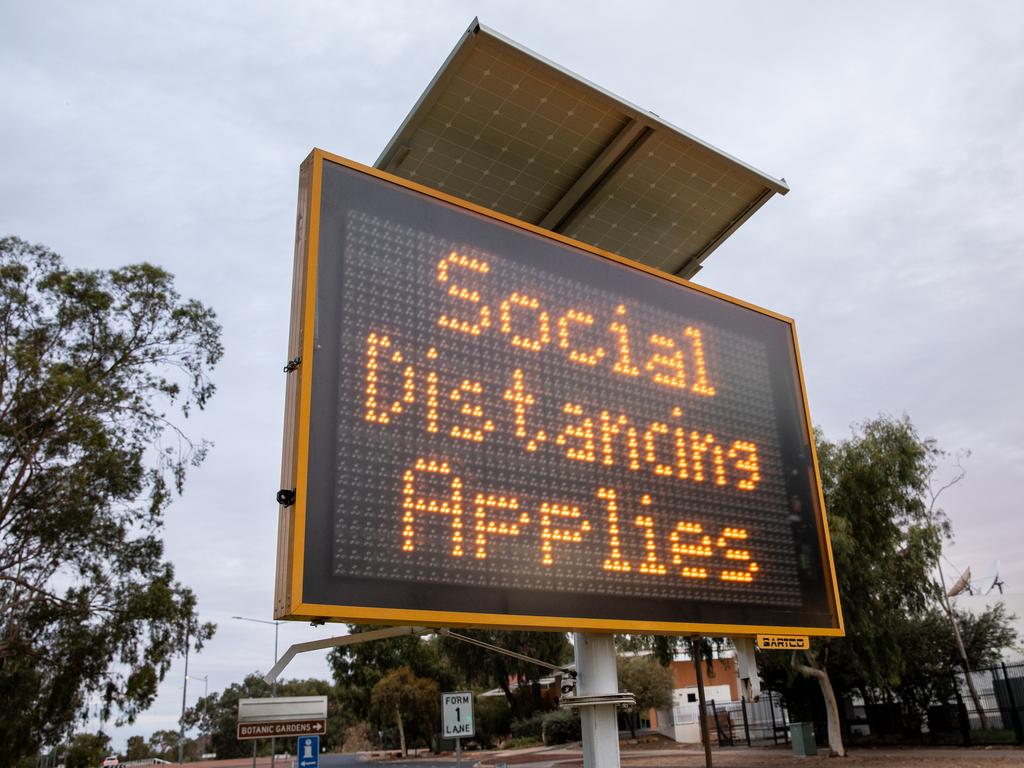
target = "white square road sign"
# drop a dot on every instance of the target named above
(457, 719)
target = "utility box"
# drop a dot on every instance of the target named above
(802, 737)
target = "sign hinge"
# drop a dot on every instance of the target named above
(292, 364)
(286, 497)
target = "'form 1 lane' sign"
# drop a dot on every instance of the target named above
(457, 715)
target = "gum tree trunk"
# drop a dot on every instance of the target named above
(835, 733)
(401, 731)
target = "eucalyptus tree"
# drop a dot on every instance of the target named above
(887, 535)
(93, 365)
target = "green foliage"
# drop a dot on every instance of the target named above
(561, 726)
(217, 714)
(90, 363)
(521, 742)
(164, 744)
(648, 681)
(479, 666)
(886, 539)
(137, 748)
(358, 668)
(416, 700)
(531, 727)
(885, 544)
(985, 635)
(358, 738)
(931, 660)
(665, 647)
(452, 663)
(87, 750)
(493, 720)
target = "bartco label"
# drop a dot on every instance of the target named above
(783, 642)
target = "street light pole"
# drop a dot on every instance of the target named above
(206, 688)
(184, 694)
(273, 687)
(273, 693)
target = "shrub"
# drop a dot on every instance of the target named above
(531, 727)
(522, 743)
(357, 738)
(561, 726)
(493, 720)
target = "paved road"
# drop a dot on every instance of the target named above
(337, 761)
(345, 761)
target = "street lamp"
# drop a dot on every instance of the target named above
(273, 686)
(206, 683)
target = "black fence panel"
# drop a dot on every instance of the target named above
(996, 717)
(748, 724)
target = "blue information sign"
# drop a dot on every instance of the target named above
(309, 752)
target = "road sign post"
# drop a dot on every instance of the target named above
(308, 752)
(281, 717)
(595, 662)
(457, 719)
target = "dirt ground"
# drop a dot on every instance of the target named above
(778, 758)
(963, 758)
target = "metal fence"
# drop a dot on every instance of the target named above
(741, 723)
(952, 720)
(955, 719)
(996, 718)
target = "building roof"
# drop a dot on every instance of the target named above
(505, 128)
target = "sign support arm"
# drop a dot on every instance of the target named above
(338, 642)
(506, 652)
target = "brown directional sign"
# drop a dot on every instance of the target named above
(270, 729)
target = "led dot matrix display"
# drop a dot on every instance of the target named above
(506, 428)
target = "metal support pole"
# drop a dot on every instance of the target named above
(184, 693)
(719, 735)
(771, 711)
(273, 694)
(961, 708)
(785, 717)
(595, 664)
(695, 645)
(1018, 727)
(746, 723)
(458, 752)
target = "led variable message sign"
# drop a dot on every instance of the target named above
(489, 424)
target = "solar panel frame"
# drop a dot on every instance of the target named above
(506, 128)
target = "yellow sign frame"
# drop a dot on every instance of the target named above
(295, 452)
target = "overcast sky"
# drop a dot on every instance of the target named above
(173, 133)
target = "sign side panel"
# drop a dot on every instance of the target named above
(823, 532)
(289, 449)
(306, 382)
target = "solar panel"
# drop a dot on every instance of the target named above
(504, 128)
